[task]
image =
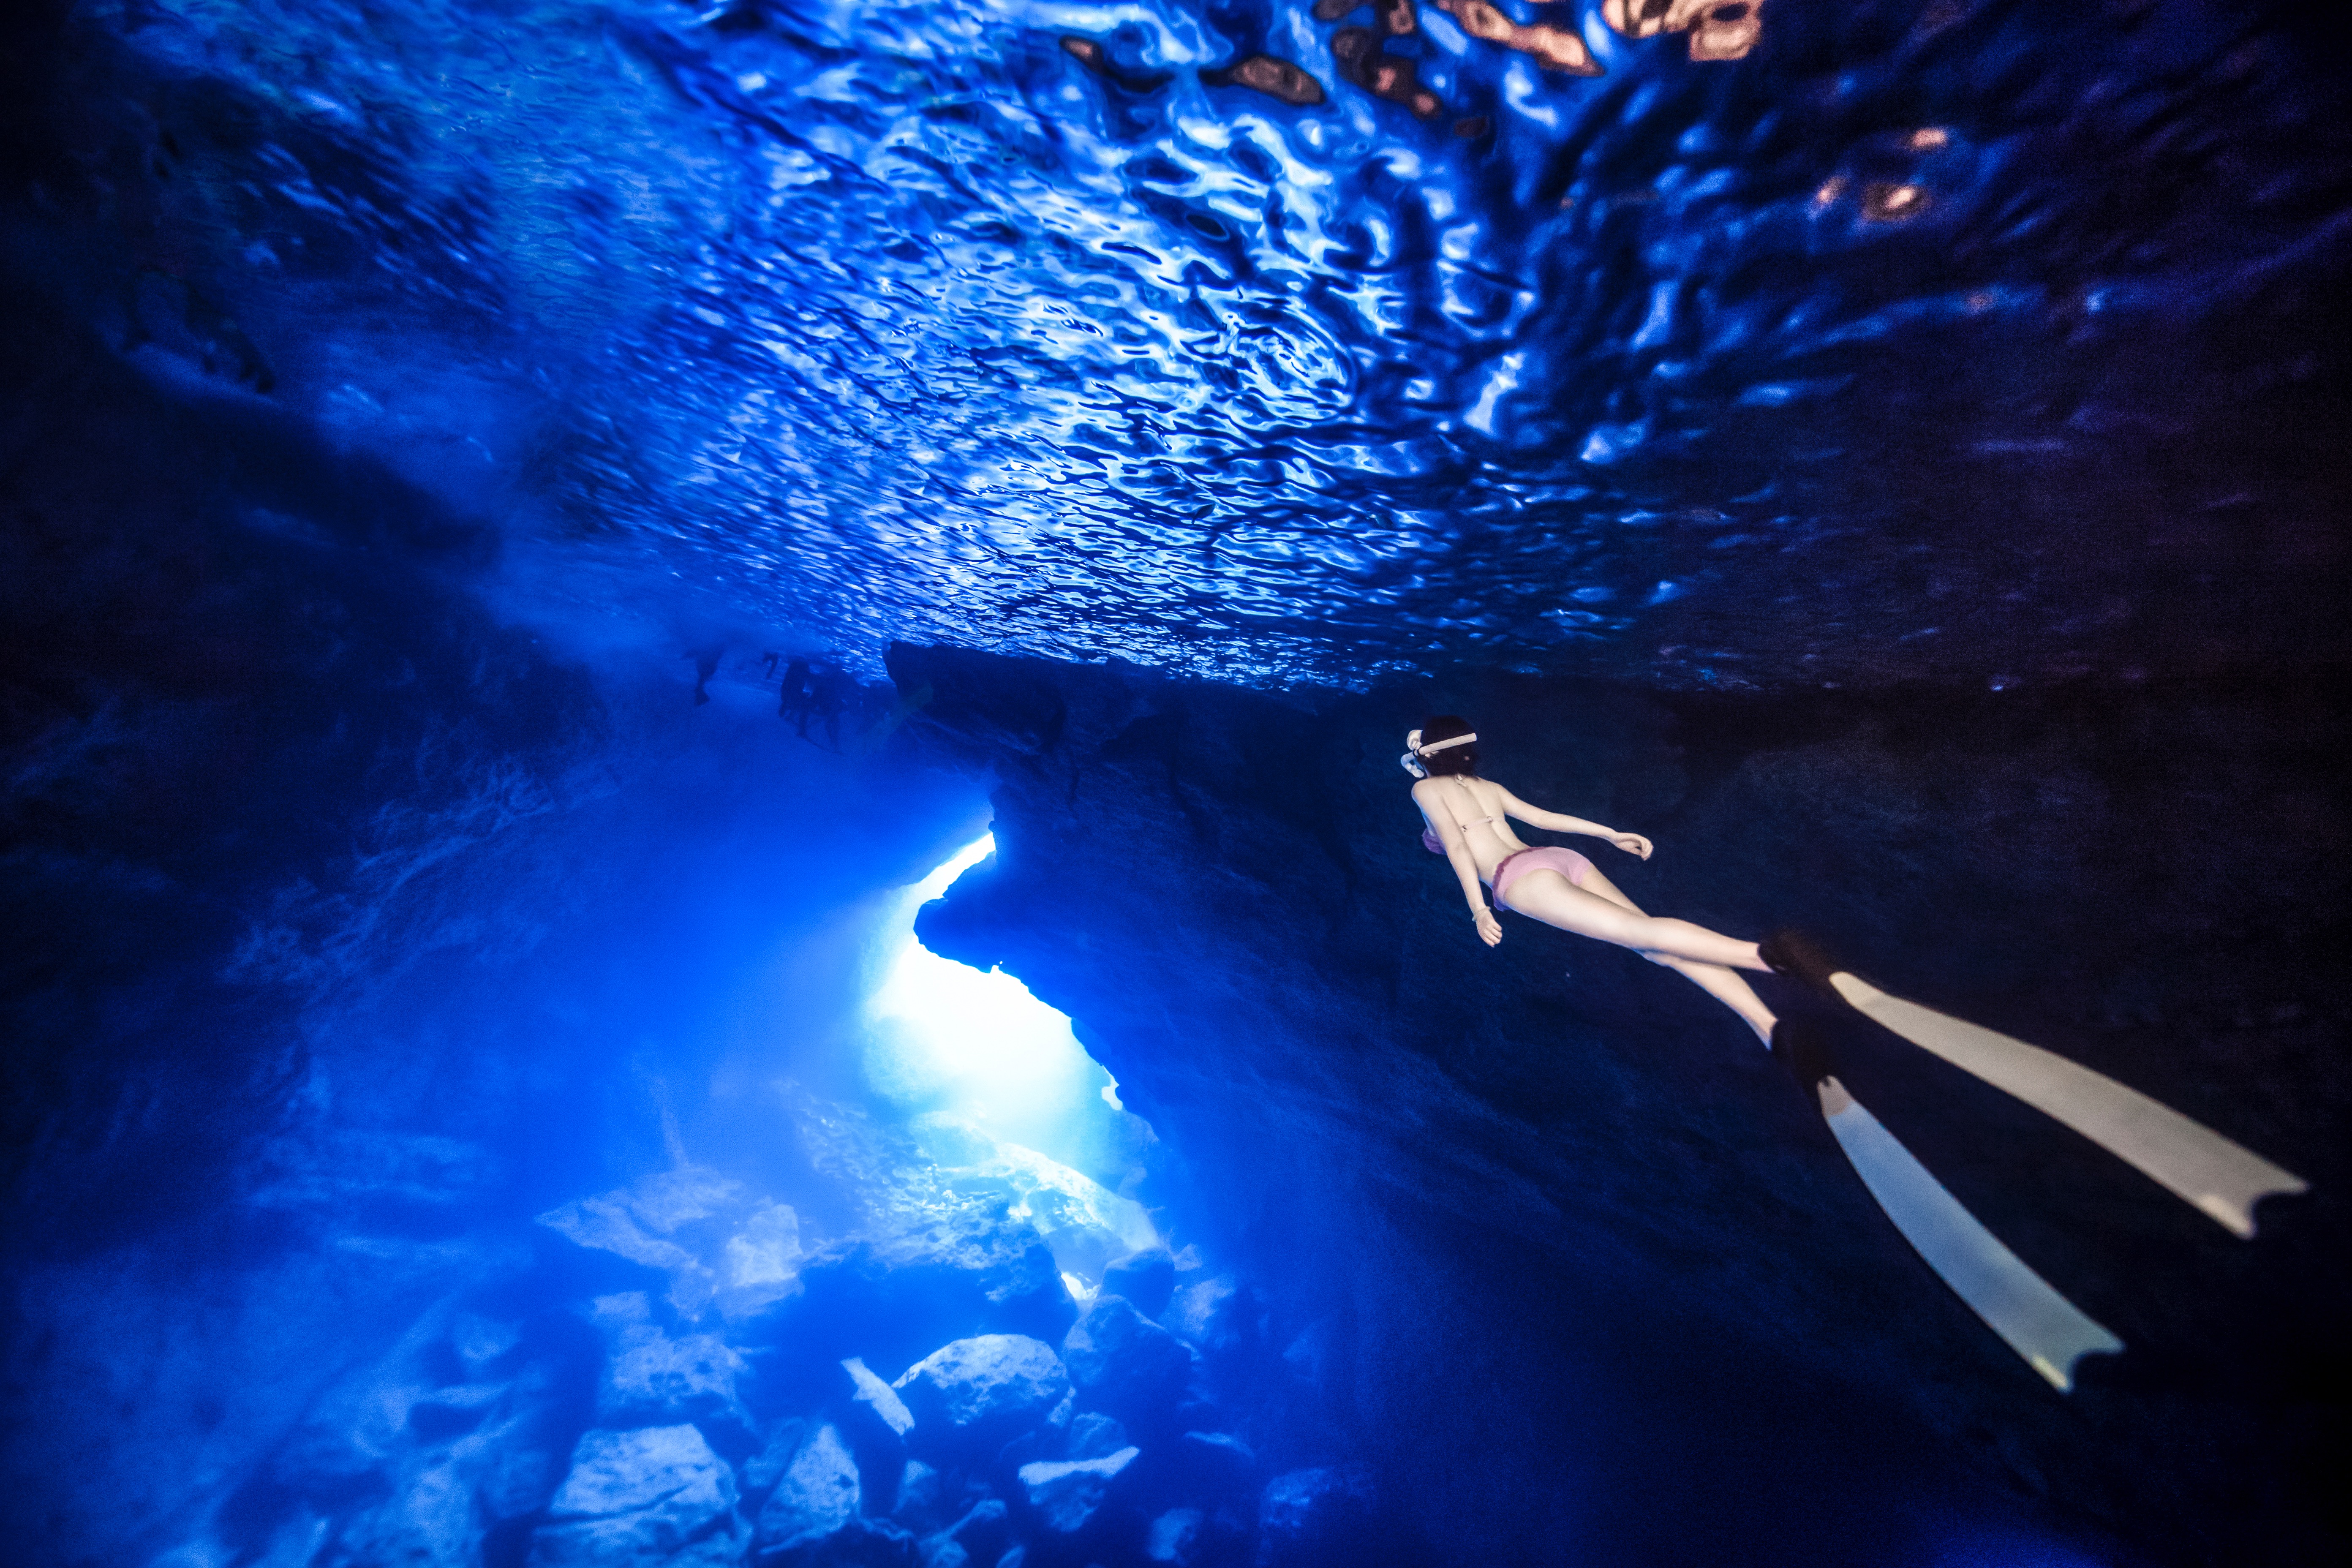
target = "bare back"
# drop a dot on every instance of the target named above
(1477, 812)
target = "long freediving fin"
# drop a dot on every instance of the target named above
(2221, 1179)
(2041, 1325)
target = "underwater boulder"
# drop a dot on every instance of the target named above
(1316, 1515)
(984, 1391)
(1173, 1536)
(888, 1299)
(663, 1381)
(430, 1522)
(816, 1496)
(1147, 1278)
(1124, 1364)
(657, 1495)
(980, 1534)
(1213, 1464)
(879, 1420)
(1093, 1435)
(858, 1543)
(922, 1502)
(1067, 1495)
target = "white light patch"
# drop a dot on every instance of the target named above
(972, 1049)
(969, 1034)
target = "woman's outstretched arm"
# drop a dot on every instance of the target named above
(1457, 854)
(1534, 815)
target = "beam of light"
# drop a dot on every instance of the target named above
(971, 1050)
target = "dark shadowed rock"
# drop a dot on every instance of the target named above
(888, 1300)
(1215, 1463)
(858, 1543)
(922, 1502)
(1147, 1279)
(1171, 1537)
(1068, 1494)
(1468, 1139)
(1092, 1436)
(1315, 1516)
(980, 1535)
(984, 1391)
(1122, 1363)
(657, 1495)
(431, 1522)
(759, 1474)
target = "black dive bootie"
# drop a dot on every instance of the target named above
(1804, 1050)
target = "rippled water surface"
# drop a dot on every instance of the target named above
(1785, 342)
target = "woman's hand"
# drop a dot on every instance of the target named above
(1632, 843)
(1490, 929)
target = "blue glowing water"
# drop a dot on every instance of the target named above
(1907, 344)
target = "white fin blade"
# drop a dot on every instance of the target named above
(2050, 1333)
(2219, 1179)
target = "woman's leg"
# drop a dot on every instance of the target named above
(1549, 896)
(1718, 982)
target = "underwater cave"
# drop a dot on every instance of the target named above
(759, 769)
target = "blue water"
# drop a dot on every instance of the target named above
(446, 974)
(1916, 343)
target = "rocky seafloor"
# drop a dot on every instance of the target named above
(664, 1376)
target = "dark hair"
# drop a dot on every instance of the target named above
(1455, 760)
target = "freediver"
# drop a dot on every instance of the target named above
(1466, 824)
(1465, 818)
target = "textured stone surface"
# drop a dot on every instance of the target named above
(1067, 1494)
(880, 1401)
(982, 1390)
(1314, 1516)
(665, 1381)
(1147, 1278)
(816, 1497)
(656, 1495)
(1122, 1363)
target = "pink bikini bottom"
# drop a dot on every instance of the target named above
(1544, 858)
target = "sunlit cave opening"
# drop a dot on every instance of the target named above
(996, 1084)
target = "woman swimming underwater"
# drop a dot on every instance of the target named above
(1467, 824)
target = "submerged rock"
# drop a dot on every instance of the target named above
(430, 1523)
(657, 1495)
(1215, 1463)
(1315, 1515)
(1093, 1435)
(985, 1390)
(1173, 1536)
(858, 1543)
(662, 1381)
(887, 1299)
(1068, 1495)
(1147, 1278)
(718, 1243)
(816, 1496)
(922, 1501)
(1123, 1363)
(878, 1402)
